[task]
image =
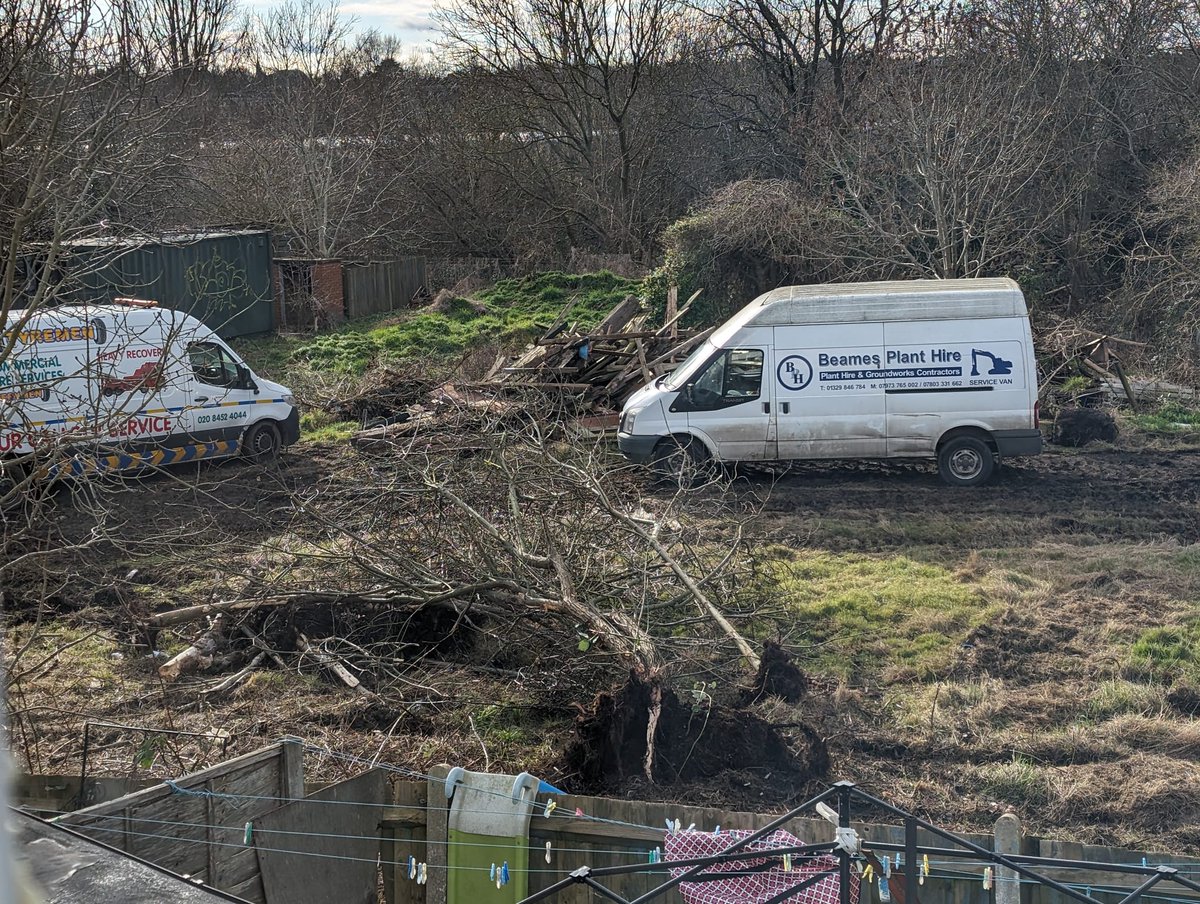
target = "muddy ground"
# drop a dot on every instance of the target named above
(1098, 511)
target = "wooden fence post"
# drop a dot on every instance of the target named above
(437, 834)
(1007, 841)
(291, 770)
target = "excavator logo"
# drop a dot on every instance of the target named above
(999, 365)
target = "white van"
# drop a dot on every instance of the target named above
(129, 386)
(925, 368)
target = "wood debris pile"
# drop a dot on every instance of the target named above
(600, 368)
(1101, 358)
(588, 375)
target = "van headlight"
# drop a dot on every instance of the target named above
(628, 417)
(290, 399)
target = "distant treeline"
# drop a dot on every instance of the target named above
(735, 145)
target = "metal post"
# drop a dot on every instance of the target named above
(843, 854)
(910, 860)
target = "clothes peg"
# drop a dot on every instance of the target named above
(579, 812)
(670, 825)
(551, 806)
(504, 873)
(717, 830)
(412, 867)
(987, 877)
(887, 867)
(868, 872)
(787, 863)
(547, 851)
(422, 875)
(885, 892)
(249, 835)
(492, 873)
(689, 828)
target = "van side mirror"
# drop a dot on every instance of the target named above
(245, 380)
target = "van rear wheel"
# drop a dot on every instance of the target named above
(682, 460)
(262, 442)
(965, 461)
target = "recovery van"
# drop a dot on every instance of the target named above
(938, 369)
(127, 386)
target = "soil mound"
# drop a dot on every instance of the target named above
(690, 742)
(1080, 426)
(777, 676)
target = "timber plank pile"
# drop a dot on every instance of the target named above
(600, 368)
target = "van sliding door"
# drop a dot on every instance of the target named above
(826, 384)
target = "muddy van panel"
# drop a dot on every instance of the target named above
(855, 370)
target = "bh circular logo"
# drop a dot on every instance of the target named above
(794, 372)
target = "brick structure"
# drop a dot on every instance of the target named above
(327, 290)
(308, 293)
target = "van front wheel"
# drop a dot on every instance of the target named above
(682, 460)
(965, 461)
(261, 442)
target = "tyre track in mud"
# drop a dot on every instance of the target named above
(1085, 496)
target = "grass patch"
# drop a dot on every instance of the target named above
(1117, 697)
(860, 614)
(512, 312)
(1168, 652)
(1172, 417)
(318, 426)
(1019, 783)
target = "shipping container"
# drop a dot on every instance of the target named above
(222, 278)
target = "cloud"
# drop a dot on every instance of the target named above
(409, 20)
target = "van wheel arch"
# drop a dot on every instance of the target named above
(262, 441)
(682, 459)
(967, 456)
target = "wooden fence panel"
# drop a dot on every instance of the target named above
(191, 834)
(381, 286)
(323, 848)
(622, 832)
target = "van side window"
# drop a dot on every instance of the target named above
(212, 365)
(732, 378)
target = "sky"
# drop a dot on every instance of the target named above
(408, 20)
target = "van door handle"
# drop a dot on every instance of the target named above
(200, 398)
(787, 407)
(766, 407)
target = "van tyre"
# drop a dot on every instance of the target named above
(966, 461)
(682, 461)
(262, 442)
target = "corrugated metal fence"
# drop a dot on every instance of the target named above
(222, 278)
(376, 287)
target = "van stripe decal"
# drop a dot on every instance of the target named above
(143, 411)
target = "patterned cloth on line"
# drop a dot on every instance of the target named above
(754, 888)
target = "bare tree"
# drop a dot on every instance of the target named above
(954, 171)
(308, 151)
(575, 73)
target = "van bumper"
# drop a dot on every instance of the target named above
(291, 427)
(639, 449)
(1014, 443)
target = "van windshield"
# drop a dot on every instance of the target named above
(679, 375)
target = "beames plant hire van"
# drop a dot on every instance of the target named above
(917, 369)
(128, 386)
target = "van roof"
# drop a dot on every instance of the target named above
(77, 312)
(868, 302)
